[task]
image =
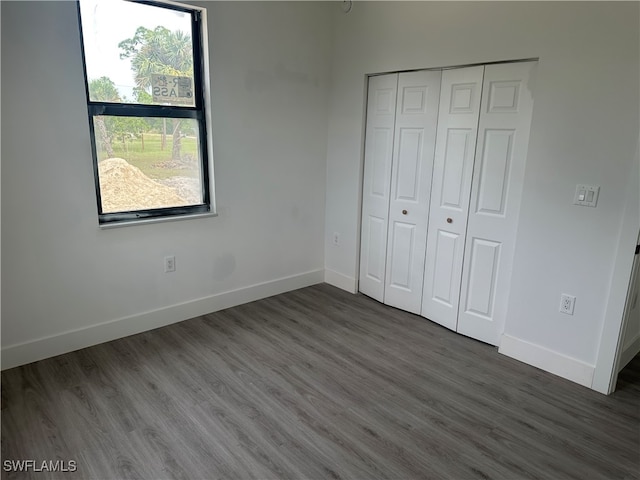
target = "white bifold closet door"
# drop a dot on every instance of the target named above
(440, 212)
(452, 171)
(397, 185)
(378, 153)
(496, 191)
(412, 167)
(481, 147)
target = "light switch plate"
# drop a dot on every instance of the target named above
(586, 195)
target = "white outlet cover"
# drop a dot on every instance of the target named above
(567, 303)
(586, 195)
(170, 264)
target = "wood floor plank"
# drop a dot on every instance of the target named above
(314, 384)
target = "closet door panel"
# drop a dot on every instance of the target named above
(379, 138)
(402, 247)
(375, 238)
(409, 164)
(452, 172)
(484, 258)
(496, 190)
(494, 167)
(455, 171)
(411, 173)
(447, 250)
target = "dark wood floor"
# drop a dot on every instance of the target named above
(313, 384)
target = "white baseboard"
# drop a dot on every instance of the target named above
(339, 280)
(27, 352)
(547, 360)
(630, 350)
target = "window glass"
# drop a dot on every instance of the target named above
(146, 114)
(142, 49)
(146, 163)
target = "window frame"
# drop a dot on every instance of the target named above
(198, 112)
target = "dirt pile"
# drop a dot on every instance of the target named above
(124, 187)
(186, 187)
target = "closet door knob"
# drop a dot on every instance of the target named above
(404, 212)
(449, 220)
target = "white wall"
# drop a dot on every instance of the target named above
(65, 282)
(585, 130)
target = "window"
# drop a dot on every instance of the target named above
(145, 79)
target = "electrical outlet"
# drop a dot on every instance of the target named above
(567, 302)
(336, 239)
(169, 264)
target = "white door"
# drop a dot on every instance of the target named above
(414, 144)
(630, 341)
(450, 190)
(496, 190)
(378, 153)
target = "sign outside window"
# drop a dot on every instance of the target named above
(172, 90)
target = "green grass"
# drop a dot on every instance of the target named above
(149, 158)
